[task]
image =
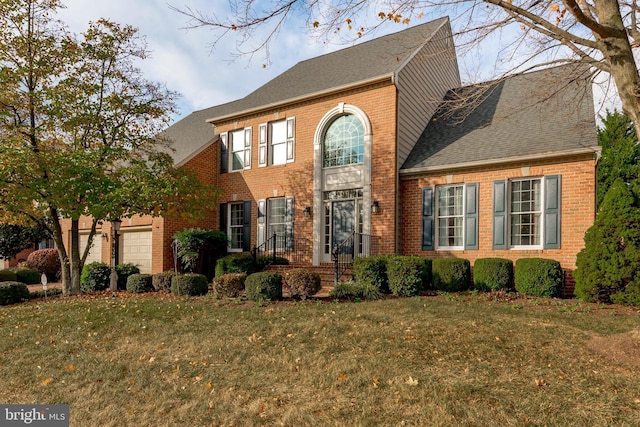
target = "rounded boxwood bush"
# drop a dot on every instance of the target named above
(27, 275)
(8, 276)
(13, 292)
(229, 285)
(95, 277)
(139, 283)
(492, 274)
(235, 263)
(408, 275)
(539, 277)
(451, 274)
(45, 261)
(303, 283)
(371, 270)
(190, 284)
(264, 286)
(124, 271)
(162, 281)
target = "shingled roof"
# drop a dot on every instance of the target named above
(532, 115)
(369, 61)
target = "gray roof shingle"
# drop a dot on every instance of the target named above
(533, 114)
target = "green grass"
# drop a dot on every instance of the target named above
(440, 361)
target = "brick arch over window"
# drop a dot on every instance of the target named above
(320, 180)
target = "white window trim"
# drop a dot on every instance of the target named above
(539, 246)
(436, 227)
(246, 151)
(229, 227)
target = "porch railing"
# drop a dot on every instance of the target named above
(294, 250)
(355, 245)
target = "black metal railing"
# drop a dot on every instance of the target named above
(294, 250)
(355, 245)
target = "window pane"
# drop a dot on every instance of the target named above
(344, 142)
(526, 212)
(450, 216)
(236, 220)
(278, 142)
(276, 217)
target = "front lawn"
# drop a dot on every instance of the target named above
(435, 360)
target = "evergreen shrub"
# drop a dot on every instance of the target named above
(229, 285)
(351, 290)
(539, 277)
(28, 276)
(8, 276)
(492, 274)
(302, 283)
(95, 277)
(263, 286)
(408, 275)
(371, 270)
(124, 271)
(162, 281)
(139, 283)
(451, 274)
(235, 263)
(13, 292)
(189, 284)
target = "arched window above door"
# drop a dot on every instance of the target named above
(343, 142)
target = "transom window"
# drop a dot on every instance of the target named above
(344, 142)
(526, 212)
(450, 214)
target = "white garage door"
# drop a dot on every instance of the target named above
(95, 253)
(135, 248)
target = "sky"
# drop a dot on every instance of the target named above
(183, 58)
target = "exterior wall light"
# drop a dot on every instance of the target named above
(307, 212)
(375, 206)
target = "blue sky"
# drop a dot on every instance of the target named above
(183, 58)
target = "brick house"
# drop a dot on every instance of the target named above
(359, 140)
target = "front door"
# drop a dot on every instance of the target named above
(342, 217)
(343, 220)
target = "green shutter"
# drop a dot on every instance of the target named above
(246, 226)
(471, 216)
(500, 214)
(427, 218)
(552, 203)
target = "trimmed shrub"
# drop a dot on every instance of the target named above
(492, 274)
(8, 276)
(408, 275)
(371, 270)
(264, 286)
(45, 261)
(139, 283)
(609, 263)
(264, 261)
(235, 263)
(48, 293)
(198, 249)
(451, 274)
(27, 275)
(124, 271)
(630, 295)
(539, 277)
(95, 277)
(190, 284)
(229, 285)
(352, 290)
(302, 283)
(162, 281)
(13, 292)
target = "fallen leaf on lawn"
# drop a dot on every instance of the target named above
(209, 386)
(376, 381)
(46, 381)
(342, 377)
(540, 382)
(412, 381)
(132, 382)
(69, 368)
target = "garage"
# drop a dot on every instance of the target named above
(95, 253)
(135, 248)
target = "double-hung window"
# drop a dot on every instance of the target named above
(275, 218)
(276, 145)
(235, 220)
(450, 217)
(526, 213)
(236, 145)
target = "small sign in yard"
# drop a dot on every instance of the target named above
(43, 280)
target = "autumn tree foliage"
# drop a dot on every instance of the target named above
(601, 34)
(78, 126)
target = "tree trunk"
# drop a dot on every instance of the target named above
(74, 249)
(618, 54)
(62, 252)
